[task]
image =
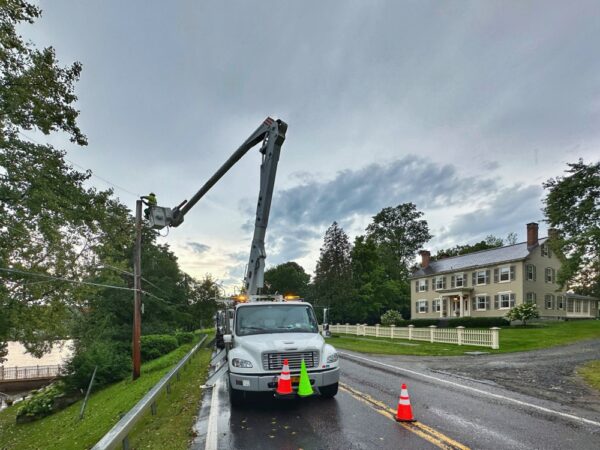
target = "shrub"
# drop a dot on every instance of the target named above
(113, 361)
(523, 312)
(421, 322)
(184, 337)
(479, 322)
(391, 317)
(155, 345)
(40, 403)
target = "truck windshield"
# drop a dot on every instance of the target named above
(275, 318)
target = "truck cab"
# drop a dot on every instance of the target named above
(264, 333)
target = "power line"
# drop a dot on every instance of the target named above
(137, 195)
(53, 278)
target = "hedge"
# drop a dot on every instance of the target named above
(184, 337)
(155, 345)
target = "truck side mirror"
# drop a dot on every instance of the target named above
(227, 338)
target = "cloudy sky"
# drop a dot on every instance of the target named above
(463, 108)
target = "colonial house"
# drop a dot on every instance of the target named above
(490, 282)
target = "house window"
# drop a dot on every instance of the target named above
(549, 301)
(481, 277)
(440, 283)
(436, 305)
(422, 285)
(549, 278)
(570, 307)
(506, 300)
(577, 305)
(422, 306)
(560, 301)
(546, 250)
(482, 301)
(585, 306)
(504, 274)
(530, 297)
(530, 272)
(460, 280)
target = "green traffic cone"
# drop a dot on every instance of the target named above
(304, 388)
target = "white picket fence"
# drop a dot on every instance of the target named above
(458, 335)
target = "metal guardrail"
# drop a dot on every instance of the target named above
(17, 373)
(119, 433)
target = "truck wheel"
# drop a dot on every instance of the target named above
(329, 391)
(236, 397)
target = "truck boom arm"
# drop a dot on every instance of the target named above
(272, 134)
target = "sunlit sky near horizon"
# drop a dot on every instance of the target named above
(463, 108)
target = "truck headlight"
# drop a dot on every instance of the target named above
(332, 358)
(244, 364)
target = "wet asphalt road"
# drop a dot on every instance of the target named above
(453, 412)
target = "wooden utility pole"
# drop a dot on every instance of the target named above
(137, 293)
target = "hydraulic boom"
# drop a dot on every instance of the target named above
(272, 135)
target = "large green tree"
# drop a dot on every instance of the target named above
(333, 273)
(288, 278)
(47, 217)
(572, 207)
(489, 242)
(398, 233)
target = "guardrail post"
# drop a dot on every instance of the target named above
(126, 443)
(495, 338)
(178, 376)
(153, 408)
(392, 331)
(410, 330)
(168, 388)
(459, 331)
(376, 330)
(431, 333)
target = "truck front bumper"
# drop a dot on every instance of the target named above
(268, 382)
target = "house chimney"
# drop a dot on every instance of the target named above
(425, 257)
(552, 233)
(532, 234)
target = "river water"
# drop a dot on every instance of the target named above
(18, 356)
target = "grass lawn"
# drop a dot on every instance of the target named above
(513, 339)
(590, 372)
(64, 430)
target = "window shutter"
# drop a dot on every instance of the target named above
(496, 275)
(465, 279)
(426, 306)
(474, 304)
(496, 301)
(474, 278)
(417, 286)
(487, 302)
(487, 276)
(443, 282)
(452, 281)
(549, 251)
(426, 285)
(512, 300)
(553, 275)
(533, 272)
(512, 273)
(534, 297)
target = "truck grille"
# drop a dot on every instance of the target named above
(274, 361)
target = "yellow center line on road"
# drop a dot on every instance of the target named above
(423, 431)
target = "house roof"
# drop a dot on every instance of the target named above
(478, 259)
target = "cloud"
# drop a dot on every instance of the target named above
(461, 206)
(198, 247)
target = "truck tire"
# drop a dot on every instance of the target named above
(236, 397)
(329, 391)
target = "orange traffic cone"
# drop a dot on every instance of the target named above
(404, 413)
(284, 383)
